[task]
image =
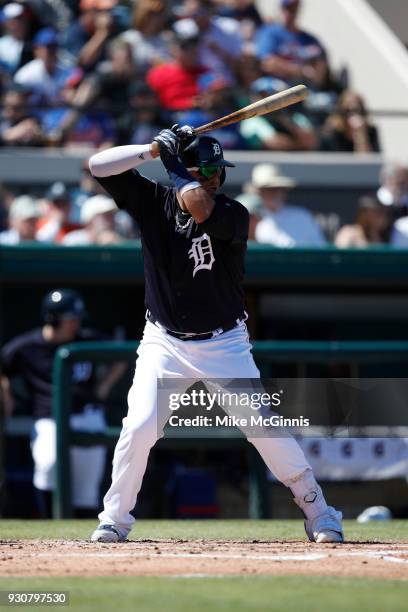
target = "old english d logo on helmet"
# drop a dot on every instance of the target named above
(204, 151)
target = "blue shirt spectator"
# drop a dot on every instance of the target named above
(93, 128)
(70, 125)
(275, 39)
(44, 76)
(289, 53)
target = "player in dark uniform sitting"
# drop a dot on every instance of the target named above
(30, 356)
(194, 242)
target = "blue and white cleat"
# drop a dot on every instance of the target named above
(326, 528)
(107, 534)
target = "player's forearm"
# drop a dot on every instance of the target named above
(198, 203)
(120, 159)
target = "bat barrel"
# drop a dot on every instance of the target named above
(267, 105)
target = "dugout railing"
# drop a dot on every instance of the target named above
(265, 354)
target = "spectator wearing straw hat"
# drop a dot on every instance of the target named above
(282, 224)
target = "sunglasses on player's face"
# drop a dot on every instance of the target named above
(209, 171)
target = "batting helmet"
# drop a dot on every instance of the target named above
(62, 304)
(205, 151)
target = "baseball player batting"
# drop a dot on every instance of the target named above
(194, 241)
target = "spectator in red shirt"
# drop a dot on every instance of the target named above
(176, 83)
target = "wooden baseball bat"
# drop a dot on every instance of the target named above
(267, 105)
(275, 102)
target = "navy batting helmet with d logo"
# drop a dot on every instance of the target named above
(205, 151)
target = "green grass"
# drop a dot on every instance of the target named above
(260, 593)
(227, 594)
(223, 530)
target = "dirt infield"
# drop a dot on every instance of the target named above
(387, 560)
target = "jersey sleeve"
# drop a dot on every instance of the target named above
(133, 192)
(229, 221)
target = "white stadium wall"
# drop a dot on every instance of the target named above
(395, 14)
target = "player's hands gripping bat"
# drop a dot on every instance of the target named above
(169, 144)
(186, 134)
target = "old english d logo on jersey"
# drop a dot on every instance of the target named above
(202, 253)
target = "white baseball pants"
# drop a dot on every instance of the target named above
(87, 463)
(162, 356)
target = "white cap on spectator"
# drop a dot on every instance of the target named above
(12, 10)
(267, 175)
(23, 207)
(96, 205)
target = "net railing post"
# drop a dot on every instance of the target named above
(258, 502)
(62, 505)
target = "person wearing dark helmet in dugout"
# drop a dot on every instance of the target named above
(30, 357)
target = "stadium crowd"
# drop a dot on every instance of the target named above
(101, 73)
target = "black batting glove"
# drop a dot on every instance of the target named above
(169, 144)
(169, 147)
(185, 133)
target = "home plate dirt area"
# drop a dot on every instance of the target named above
(202, 558)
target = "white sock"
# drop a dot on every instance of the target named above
(307, 494)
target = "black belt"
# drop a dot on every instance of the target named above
(194, 336)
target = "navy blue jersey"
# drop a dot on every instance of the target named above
(30, 357)
(193, 272)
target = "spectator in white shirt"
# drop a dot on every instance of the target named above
(220, 44)
(282, 224)
(394, 188)
(45, 75)
(14, 44)
(23, 217)
(399, 234)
